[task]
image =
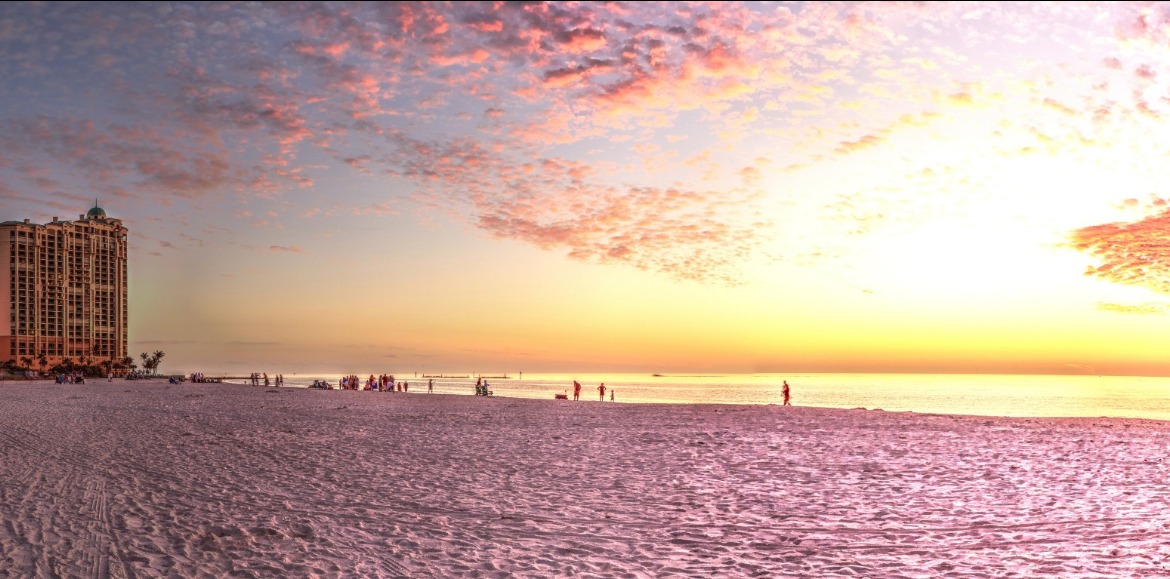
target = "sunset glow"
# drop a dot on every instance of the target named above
(627, 187)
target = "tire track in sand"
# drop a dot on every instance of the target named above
(101, 552)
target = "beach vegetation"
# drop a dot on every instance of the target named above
(85, 366)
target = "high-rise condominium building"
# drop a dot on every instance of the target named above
(63, 290)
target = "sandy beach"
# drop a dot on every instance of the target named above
(148, 479)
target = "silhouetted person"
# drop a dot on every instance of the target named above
(787, 394)
(576, 390)
(601, 391)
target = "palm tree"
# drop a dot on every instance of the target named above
(128, 362)
(157, 358)
(43, 360)
(26, 362)
(145, 362)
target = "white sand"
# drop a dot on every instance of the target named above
(137, 479)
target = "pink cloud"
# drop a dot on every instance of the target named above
(1136, 253)
(555, 205)
(254, 99)
(377, 209)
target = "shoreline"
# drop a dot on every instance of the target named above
(463, 388)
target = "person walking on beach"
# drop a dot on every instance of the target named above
(611, 394)
(601, 390)
(787, 393)
(431, 386)
(576, 390)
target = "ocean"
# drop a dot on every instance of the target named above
(973, 394)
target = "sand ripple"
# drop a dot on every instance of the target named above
(133, 479)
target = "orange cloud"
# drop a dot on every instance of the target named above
(580, 40)
(1135, 253)
(1148, 308)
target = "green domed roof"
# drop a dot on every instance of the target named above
(96, 213)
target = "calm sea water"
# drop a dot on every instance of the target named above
(977, 394)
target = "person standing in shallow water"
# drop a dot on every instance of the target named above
(576, 390)
(787, 393)
(601, 391)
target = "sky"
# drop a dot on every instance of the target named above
(644, 186)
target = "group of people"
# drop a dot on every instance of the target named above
(256, 377)
(482, 387)
(380, 383)
(600, 391)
